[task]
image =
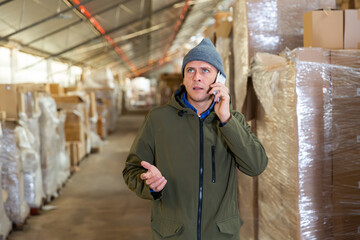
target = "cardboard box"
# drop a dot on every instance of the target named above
(248, 209)
(2, 115)
(20, 98)
(101, 127)
(10, 101)
(73, 88)
(74, 155)
(56, 89)
(68, 99)
(345, 147)
(297, 181)
(93, 105)
(324, 28)
(352, 29)
(223, 24)
(345, 82)
(357, 4)
(74, 128)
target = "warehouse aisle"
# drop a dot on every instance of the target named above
(95, 203)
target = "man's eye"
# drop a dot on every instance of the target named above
(190, 70)
(206, 70)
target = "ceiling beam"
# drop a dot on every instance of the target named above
(109, 32)
(75, 23)
(42, 21)
(101, 52)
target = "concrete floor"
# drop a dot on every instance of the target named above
(95, 203)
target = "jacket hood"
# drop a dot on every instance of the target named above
(175, 100)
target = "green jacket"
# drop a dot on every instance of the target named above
(199, 160)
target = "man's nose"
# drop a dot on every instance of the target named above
(197, 76)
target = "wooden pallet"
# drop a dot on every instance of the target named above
(35, 211)
(95, 149)
(20, 226)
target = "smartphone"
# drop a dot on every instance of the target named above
(220, 78)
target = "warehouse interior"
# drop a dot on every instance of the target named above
(78, 77)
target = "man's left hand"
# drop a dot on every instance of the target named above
(222, 101)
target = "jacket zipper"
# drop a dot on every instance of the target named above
(213, 163)
(201, 177)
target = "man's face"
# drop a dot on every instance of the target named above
(198, 76)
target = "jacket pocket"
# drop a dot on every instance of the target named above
(166, 227)
(213, 164)
(230, 226)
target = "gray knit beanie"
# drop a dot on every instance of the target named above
(205, 52)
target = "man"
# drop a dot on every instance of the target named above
(186, 153)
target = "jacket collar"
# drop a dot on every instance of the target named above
(204, 114)
(176, 102)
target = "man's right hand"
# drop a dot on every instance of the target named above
(153, 177)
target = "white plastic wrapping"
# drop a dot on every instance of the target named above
(12, 176)
(30, 154)
(49, 138)
(110, 103)
(5, 224)
(309, 124)
(100, 78)
(63, 158)
(96, 141)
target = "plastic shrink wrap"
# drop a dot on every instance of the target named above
(63, 158)
(274, 25)
(77, 123)
(5, 224)
(30, 154)
(342, 146)
(49, 138)
(267, 26)
(12, 174)
(309, 124)
(107, 106)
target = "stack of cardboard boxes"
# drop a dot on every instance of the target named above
(46, 130)
(21, 173)
(332, 29)
(307, 119)
(105, 108)
(77, 129)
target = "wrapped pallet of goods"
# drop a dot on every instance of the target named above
(77, 126)
(49, 123)
(5, 226)
(101, 82)
(63, 156)
(12, 173)
(309, 126)
(267, 26)
(342, 101)
(24, 110)
(106, 99)
(96, 141)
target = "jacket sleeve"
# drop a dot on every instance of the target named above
(250, 155)
(142, 149)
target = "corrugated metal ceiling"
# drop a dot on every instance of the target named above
(130, 36)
